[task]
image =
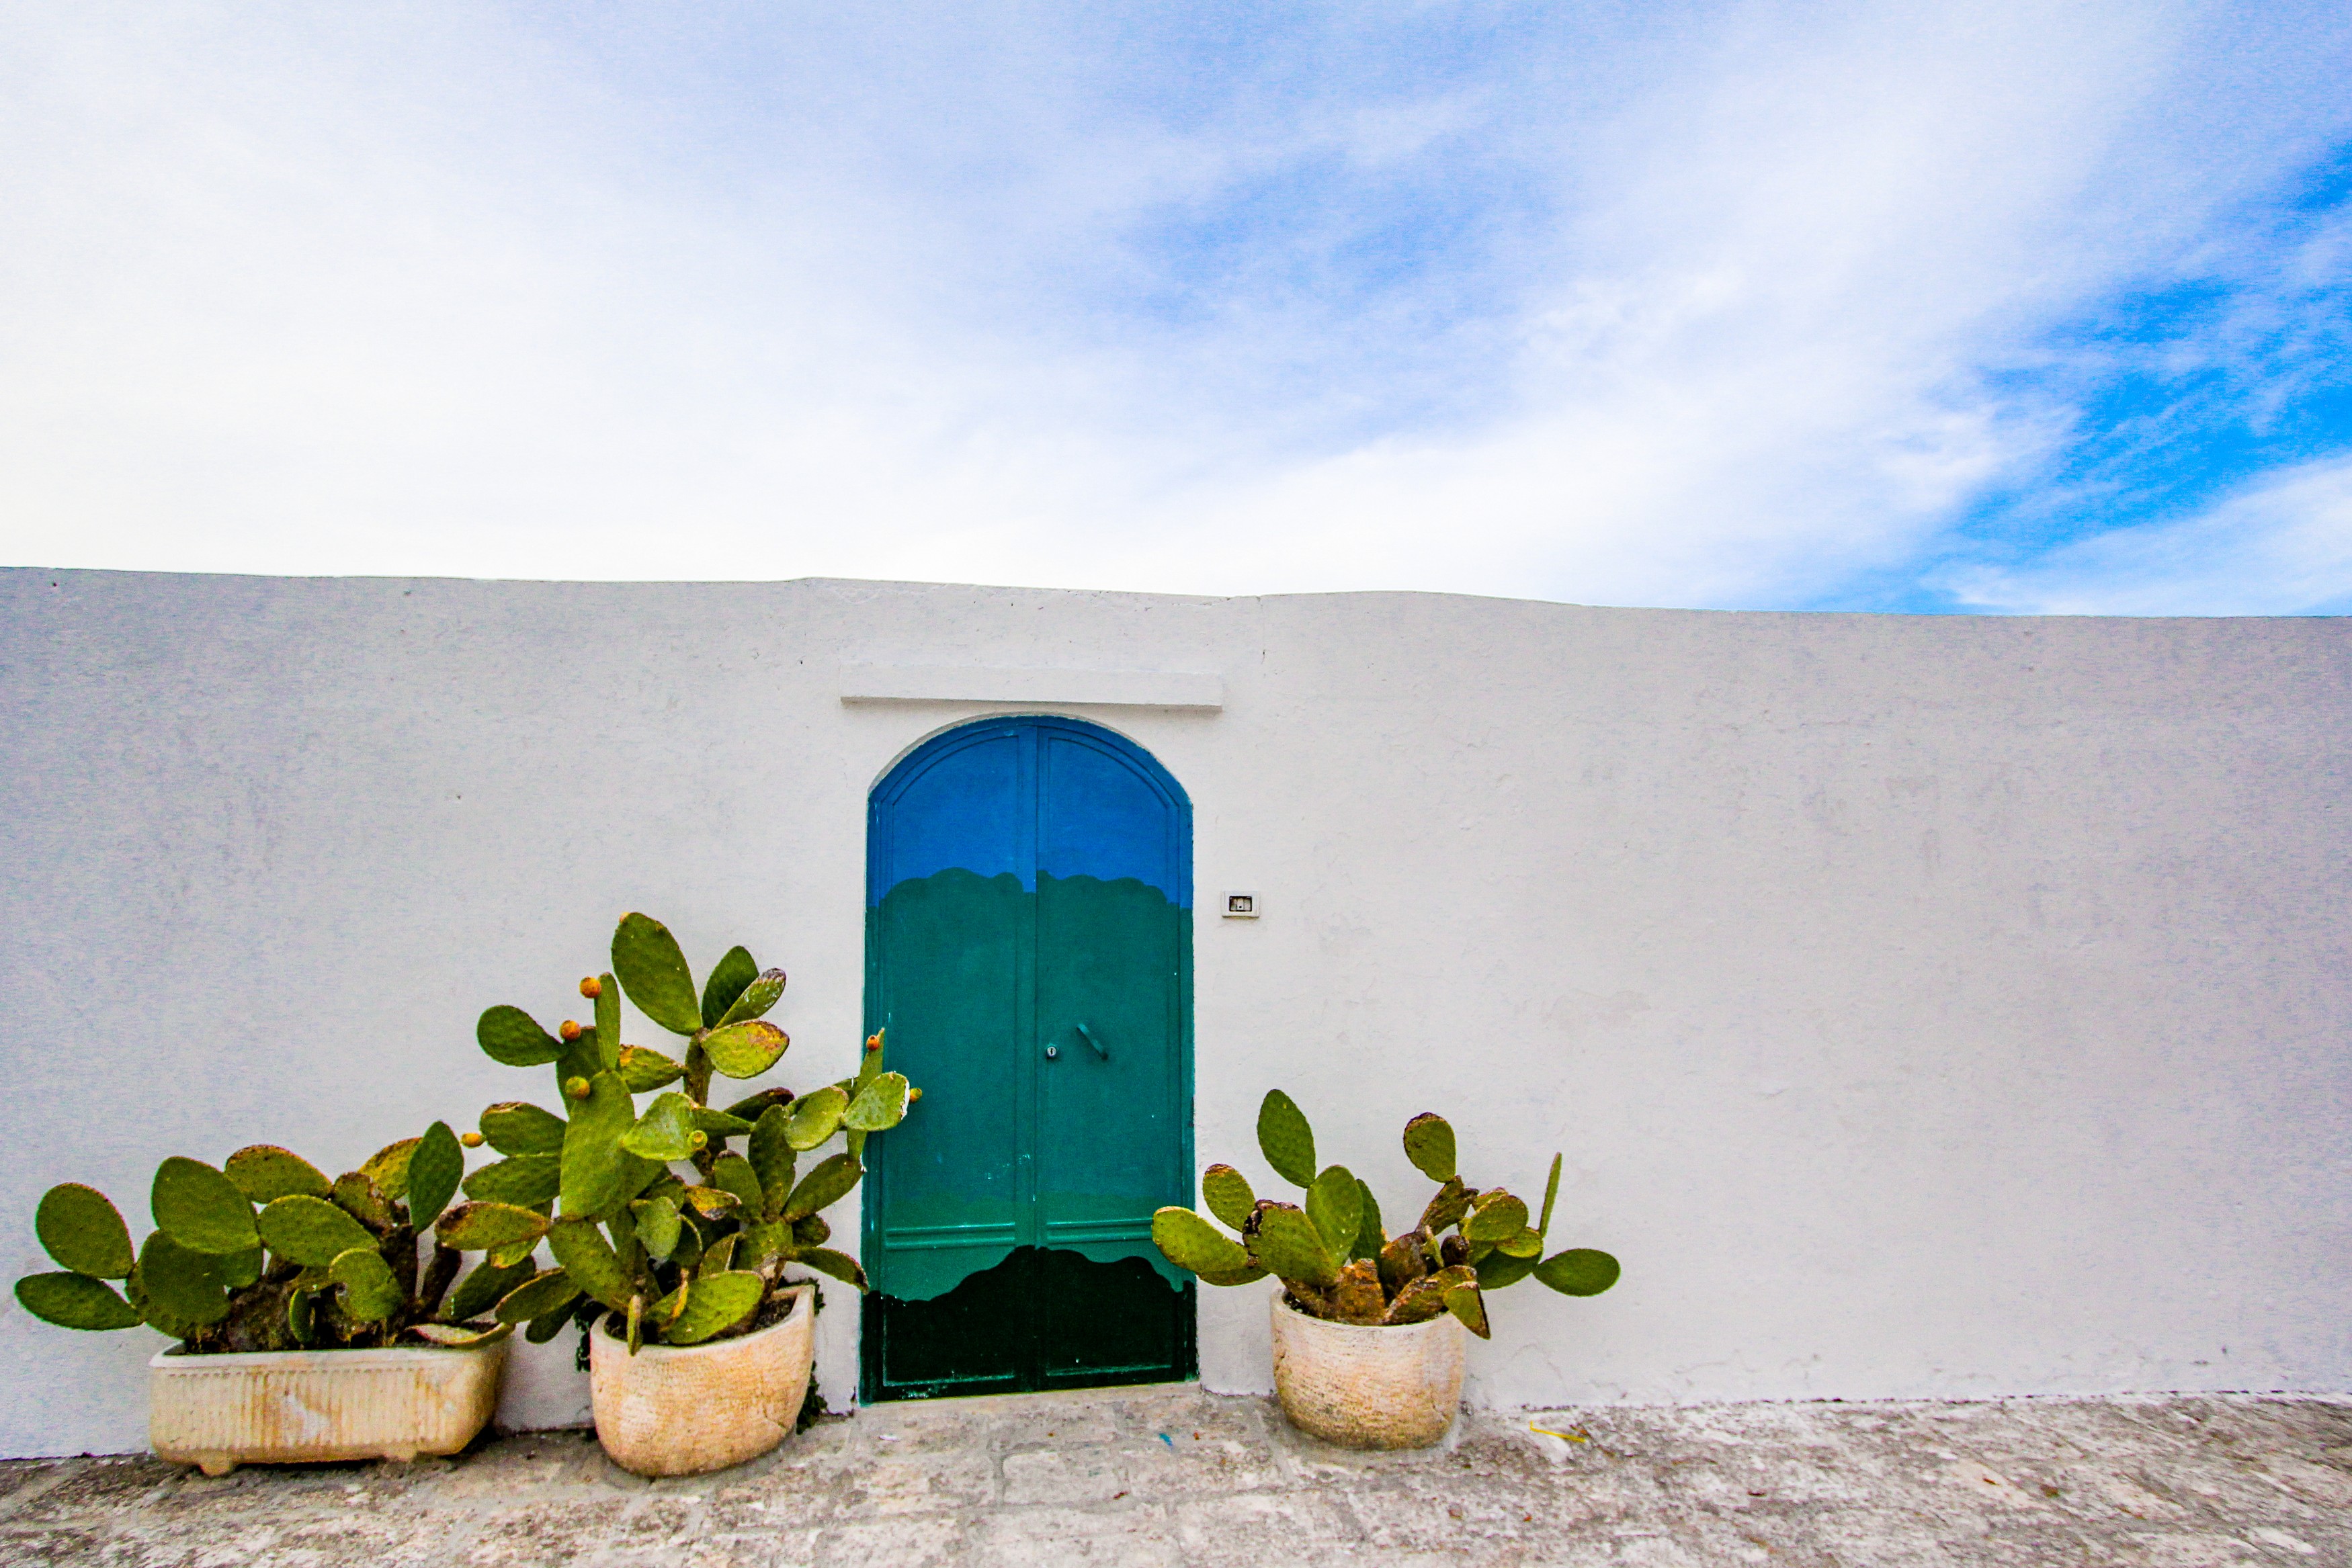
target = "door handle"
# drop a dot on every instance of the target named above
(1086, 1035)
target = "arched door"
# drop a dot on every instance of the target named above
(1029, 956)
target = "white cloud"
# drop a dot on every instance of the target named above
(294, 291)
(2282, 546)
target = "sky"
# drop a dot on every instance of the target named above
(2003, 307)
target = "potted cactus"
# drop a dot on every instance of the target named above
(1368, 1326)
(671, 1246)
(307, 1328)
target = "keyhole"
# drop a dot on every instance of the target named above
(1052, 1051)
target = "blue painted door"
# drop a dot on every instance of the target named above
(1029, 961)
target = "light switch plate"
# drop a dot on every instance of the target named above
(1241, 906)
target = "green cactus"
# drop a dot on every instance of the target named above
(667, 1256)
(1335, 1259)
(1286, 1140)
(261, 1253)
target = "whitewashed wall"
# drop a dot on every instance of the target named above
(1925, 1006)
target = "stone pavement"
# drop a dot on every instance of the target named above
(1172, 1476)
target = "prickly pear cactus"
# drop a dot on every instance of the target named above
(1335, 1259)
(659, 1219)
(262, 1252)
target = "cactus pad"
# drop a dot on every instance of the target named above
(658, 1225)
(645, 1070)
(1369, 1237)
(489, 1227)
(1336, 1204)
(1494, 1219)
(370, 1294)
(653, 971)
(1191, 1242)
(1227, 1194)
(526, 1181)
(388, 1167)
(513, 1038)
(816, 1116)
(1528, 1244)
(840, 1265)
(363, 1201)
(757, 998)
(74, 1301)
(181, 1288)
(716, 1303)
(449, 1336)
(538, 1296)
(582, 1251)
(483, 1288)
(435, 1171)
(516, 1127)
(596, 1168)
(310, 1231)
(773, 1159)
(264, 1172)
(1551, 1191)
(665, 1132)
(710, 1202)
(729, 977)
(1400, 1263)
(1286, 1140)
(1429, 1145)
(827, 1185)
(745, 1050)
(1468, 1306)
(1284, 1241)
(880, 1105)
(201, 1209)
(1499, 1269)
(811, 1231)
(1420, 1301)
(1578, 1271)
(1357, 1297)
(1446, 1210)
(733, 1173)
(80, 1229)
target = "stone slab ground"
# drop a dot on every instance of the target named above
(1173, 1476)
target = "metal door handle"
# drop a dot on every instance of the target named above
(1088, 1036)
(1052, 1051)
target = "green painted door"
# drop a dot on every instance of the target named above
(1029, 956)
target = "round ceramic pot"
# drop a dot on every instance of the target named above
(682, 1409)
(1366, 1387)
(302, 1407)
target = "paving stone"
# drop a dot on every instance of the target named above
(1163, 1477)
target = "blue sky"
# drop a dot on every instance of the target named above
(2010, 307)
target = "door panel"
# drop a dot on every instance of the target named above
(1029, 960)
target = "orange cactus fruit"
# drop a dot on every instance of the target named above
(576, 1087)
(592, 987)
(471, 1140)
(570, 1031)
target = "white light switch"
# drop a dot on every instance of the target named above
(1240, 906)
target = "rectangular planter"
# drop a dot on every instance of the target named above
(218, 1412)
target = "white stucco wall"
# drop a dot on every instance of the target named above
(1926, 1006)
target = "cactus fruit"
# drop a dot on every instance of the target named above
(667, 1252)
(569, 1030)
(1336, 1259)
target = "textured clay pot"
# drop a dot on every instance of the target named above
(1363, 1386)
(680, 1410)
(302, 1407)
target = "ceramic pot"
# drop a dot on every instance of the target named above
(682, 1409)
(1365, 1386)
(301, 1406)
